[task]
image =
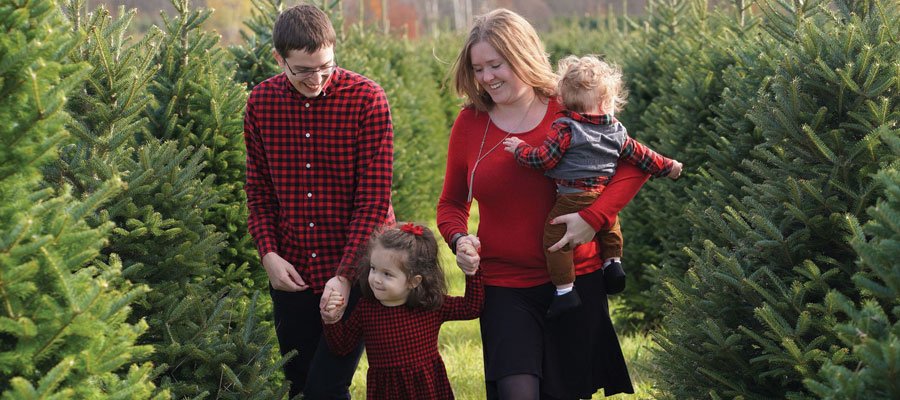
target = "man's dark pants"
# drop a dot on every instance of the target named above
(315, 371)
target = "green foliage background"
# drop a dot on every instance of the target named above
(767, 271)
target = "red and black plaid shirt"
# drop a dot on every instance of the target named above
(547, 155)
(402, 343)
(318, 172)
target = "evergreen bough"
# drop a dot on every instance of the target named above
(63, 315)
(752, 317)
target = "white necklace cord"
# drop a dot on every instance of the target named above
(484, 137)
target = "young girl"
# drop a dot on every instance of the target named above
(404, 303)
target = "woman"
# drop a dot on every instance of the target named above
(509, 86)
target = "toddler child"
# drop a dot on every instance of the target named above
(580, 153)
(404, 302)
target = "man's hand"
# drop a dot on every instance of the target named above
(511, 143)
(282, 275)
(467, 258)
(340, 285)
(578, 231)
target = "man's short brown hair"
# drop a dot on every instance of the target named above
(302, 27)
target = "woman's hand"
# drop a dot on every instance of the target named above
(578, 231)
(467, 258)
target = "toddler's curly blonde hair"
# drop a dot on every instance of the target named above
(586, 81)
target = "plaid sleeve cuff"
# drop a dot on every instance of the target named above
(265, 246)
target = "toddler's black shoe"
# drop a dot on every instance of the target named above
(614, 278)
(563, 303)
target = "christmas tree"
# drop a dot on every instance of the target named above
(63, 328)
(195, 326)
(752, 317)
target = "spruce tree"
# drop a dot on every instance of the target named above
(160, 235)
(63, 328)
(253, 59)
(751, 318)
(200, 105)
(871, 328)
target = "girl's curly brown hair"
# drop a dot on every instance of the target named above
(421, 258)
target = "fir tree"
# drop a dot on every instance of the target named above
(63, 329)
(160, 235)
(201, 106)
(253, 60)
(751, 318)
(872, 326)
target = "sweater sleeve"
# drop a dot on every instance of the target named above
(453, 204)
(620, 190)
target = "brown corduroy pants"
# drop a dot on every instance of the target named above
(560, 263)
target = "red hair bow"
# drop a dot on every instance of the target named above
(412, 228)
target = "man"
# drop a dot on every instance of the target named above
(319, 159)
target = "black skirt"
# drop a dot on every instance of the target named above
(574, 356)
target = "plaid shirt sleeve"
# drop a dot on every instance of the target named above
(469, 306)
(647, 160)
(547, 155)
(261, 200)
(371, 204)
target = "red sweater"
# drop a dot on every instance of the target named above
(513, 202)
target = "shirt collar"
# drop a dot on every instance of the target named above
(596, 119)
(333, 83)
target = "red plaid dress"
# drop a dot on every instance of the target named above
(401, 343)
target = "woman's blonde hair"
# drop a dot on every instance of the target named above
(587, 81)
(518, 43)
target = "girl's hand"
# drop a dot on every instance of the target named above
(341, 286)
(511, 143)
(335, 300)
(467, 258)
(676, 170)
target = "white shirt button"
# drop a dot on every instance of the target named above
(308, 165)
(306, 105)
(307, 134)
(309, 195)
(313, 255)
(311, 224)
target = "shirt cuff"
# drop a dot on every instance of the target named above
(265, 246)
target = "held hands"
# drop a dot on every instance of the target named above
(676, 170)
(467, 257)
(282, 275)
(340, 286)
(333, 302)
(511, 143)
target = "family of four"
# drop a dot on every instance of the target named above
(541, 152)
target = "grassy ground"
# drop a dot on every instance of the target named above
(460, 347)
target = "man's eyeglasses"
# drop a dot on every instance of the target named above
(306, 73)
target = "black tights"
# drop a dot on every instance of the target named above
(515, 387)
